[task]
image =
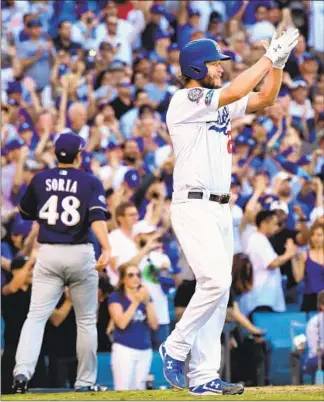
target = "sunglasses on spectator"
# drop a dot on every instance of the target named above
(132, 274)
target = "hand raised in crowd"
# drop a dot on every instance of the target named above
(142, 295)
(291, 248)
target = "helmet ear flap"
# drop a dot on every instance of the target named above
(198, 72)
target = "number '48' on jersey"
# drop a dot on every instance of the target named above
(64, 202)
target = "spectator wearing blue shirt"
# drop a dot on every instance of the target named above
(186, 30)
(128, 119)
(157, 89)
(35, 56)
(160, 52)
(133, 315)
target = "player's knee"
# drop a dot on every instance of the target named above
(218, 285)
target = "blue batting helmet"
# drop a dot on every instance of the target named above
(195, 54)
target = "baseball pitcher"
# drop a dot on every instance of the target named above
(199, 121)
(66, 202)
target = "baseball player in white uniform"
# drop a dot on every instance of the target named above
(199, 122)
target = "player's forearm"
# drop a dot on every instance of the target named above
(271, 87)
(245, 82)
(101, 232)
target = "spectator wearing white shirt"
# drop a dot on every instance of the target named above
(109, 32)
(158, 278)
(303, 115)
(123, 246)
(128, 119)
(315, 337)
(205, 8)
(266, 293)
(316, 27)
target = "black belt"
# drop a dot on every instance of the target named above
(197, 195)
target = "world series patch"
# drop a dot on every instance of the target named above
(209, 97)
(195, 94)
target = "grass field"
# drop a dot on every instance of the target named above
(292, 393)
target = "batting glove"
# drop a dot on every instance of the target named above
(280, 48)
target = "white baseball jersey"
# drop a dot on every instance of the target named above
(201, 137)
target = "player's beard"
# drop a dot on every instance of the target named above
(208, 82)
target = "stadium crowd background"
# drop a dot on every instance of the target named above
(107, 70)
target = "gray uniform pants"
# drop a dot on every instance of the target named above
(57, 266)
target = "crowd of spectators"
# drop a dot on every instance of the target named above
(107, 70)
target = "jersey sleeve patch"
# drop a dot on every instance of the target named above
(195, 94)
(209, 97)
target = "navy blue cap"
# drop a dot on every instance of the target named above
(21, 227)
(132, 178)
(14, 87)
(15, 144)
(192, 12)
(157, 9)
(25, 127)
(308, 56)
(112, 145)
(67, 146)
(34, 23)
(83, 8)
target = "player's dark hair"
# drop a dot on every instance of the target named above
(121, 209)
(120, 287)
(184, 79)
(264, 215)
(242, 274)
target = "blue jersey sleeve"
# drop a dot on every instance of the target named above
(28, 203)
(97, 205)
(114, 298)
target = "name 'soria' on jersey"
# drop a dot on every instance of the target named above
(201, 137)
(64, 202)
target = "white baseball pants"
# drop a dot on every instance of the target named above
(130, 367)
(58, 265)
(205, 232)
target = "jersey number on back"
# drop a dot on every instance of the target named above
(70, 216)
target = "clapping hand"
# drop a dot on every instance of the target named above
(280, 48)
